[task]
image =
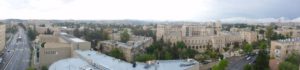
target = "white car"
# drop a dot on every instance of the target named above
(248, 58)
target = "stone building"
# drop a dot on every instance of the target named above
(280, 49)
(59, 45)
(137, 44)
(199, 36)
(2, 36)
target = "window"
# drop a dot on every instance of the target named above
(50, 52)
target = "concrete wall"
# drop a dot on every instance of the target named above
(81, 45)
(50, 55)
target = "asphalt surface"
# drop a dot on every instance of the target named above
(238, 63)
(17, 52)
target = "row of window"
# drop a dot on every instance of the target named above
(50, 52)
(197, 47)
(196, 41)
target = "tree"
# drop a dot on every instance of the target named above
(32, 33)
(168, 56)
(261, 31)
(77, 33)
(144, 57)
(247, 48)
(294, 58)
(180, 44)
(30, 68)
(269, 32)
(48, 31)
(291, 63)
(252, 28)
(215, 67)
(262, 60)
(44, 68)
(221, 65)
(201, 57)
(124, 36)
(117, 53)
(247, 67)
(288, 66)
(211, 53)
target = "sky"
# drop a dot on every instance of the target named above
(186, 10)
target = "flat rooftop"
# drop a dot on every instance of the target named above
(105, 62)
(70, 38)
(55, 45)
(71, 64)
(77, 40)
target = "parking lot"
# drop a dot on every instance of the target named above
(238, 62)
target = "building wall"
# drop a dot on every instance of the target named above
(249, 36)
(199, 37)
(280, 50)
(129, 49)
(47, 38)
(2, 36)
(198, 43)
(50, 55)
(81, 45)
(218, 42)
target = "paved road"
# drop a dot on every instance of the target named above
(237, 63)
(17, 54)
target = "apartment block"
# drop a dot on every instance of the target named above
(280, 49)
(137, 44)
(2, 36)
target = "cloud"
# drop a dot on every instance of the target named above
(108, 9)
(196, 10)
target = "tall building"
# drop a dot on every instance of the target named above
(2, 36)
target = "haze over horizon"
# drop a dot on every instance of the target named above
(186, 10)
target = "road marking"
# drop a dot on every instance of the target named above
(8, 62)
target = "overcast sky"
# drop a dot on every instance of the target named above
(148, 9)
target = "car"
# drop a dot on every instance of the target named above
(248, 58)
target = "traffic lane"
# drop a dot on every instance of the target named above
(8, 53)
(24, 63)
(20, 57)
(14, 59)
(9, 50)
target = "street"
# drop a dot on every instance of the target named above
(17, 52)
(237, 63)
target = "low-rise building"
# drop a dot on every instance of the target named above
(59, 46)
(280, 49)
(136, 45)
(92, 60)
(249, 36)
